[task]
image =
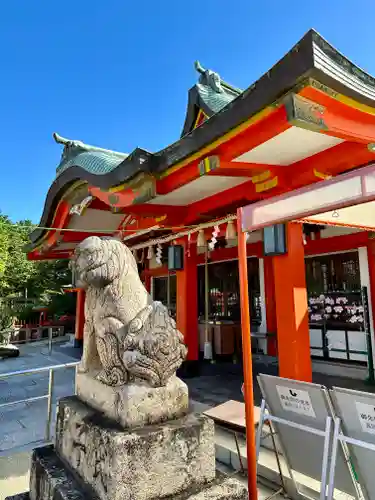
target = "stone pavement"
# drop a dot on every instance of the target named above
(14, 474)
(220, 382)
(25, 423)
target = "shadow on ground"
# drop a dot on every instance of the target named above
(222, 381)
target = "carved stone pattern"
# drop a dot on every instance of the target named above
(127, 336)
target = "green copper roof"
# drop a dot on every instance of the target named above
(214, 100)
(95, 160)
(210, 94)
(214, 92)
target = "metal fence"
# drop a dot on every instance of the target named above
(51, 371)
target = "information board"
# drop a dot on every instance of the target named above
(305, 404)
(357, 413)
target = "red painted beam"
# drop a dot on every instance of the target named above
(337, 243)
(342, 120)
(77, 237)
(217, 201)
(261, 131)
(340, 158)
(155, 210)
(244, 169)
(223, 254)
(257, 133)
(61, 217)
(53, 255)
(244, 193)
(333, 161)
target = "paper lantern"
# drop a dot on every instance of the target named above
(150, 253)
(231, 234)
(201, 240)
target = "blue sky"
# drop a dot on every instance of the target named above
(116, 73)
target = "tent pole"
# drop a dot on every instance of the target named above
(247, 360)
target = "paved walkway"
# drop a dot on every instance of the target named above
(222, 381)
(23, 423)
(14, 474)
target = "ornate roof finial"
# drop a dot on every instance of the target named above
(70, 147)
(85, 153)
(199, 67)
(209, 78)
(59, 139)
(213, 80)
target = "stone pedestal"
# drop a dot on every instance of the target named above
(135, 405)
(50, 479)
(96, 458)
(147, 462)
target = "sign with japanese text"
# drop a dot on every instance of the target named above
(296, 401)
(366, 415)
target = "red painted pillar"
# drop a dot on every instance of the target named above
(293, 339)
(146, 278)
(187, 301)
(80, 317)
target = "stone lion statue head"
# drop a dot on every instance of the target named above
(100, 261)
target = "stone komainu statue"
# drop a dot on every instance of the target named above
(127, 336)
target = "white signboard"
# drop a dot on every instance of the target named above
(296, 401)
(366, 415)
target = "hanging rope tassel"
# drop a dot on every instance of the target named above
(213, 240)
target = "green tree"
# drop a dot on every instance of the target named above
(6, 322)
(4, 242)
(48, 279)
(43, 280)
(18, 270)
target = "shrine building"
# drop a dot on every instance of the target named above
(310, 118)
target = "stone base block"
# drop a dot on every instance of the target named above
(135, 405)
(19, 496)
(50, 479)
(138, 464)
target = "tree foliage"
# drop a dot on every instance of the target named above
(17, 269)
(19, 277)
(6, 322)
(4, 242)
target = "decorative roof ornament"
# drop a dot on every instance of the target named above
(209, 78)
(92, 158)
(80, 207)
(72, 145)
(214, 81)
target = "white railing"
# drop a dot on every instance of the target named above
(51, 370)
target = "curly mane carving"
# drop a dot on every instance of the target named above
(127, 336)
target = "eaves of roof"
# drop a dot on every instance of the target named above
(311, 57)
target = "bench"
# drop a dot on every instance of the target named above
(231, 416)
